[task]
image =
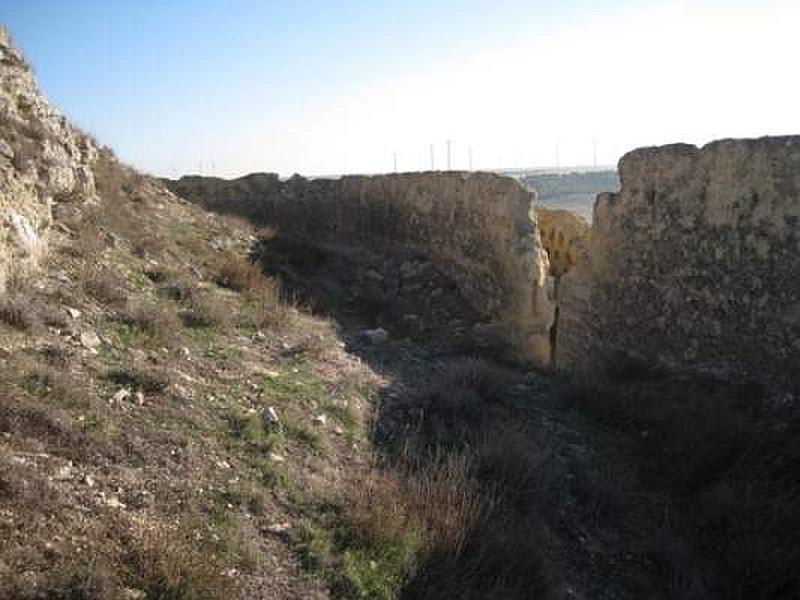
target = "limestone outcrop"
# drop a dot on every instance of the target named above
(562, 233)
(43, 160)
(475, 227)
(695, 264)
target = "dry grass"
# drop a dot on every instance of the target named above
(455, 406)
(17, 312)
(440, 501)
(157, 319)
(58, 386)
(390, 522)
(238, 274)
(121, 210)
(46, 426)
(498, 550)
(462, 413)
(264, 308)
(725, 462)
(103, 284)
(89, 243)
(149, 379)
(177, 563)
(436, 528)
(262, 304)
(205, 308)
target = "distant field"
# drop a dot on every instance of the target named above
(575, 191)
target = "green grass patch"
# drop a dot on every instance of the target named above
(223, 353)
(296, 385)
(273, 475)
(249, 430)
(139, 280)
(344, 414)
(90, 422)
(205, 336)
(125, 335)
(305, 436)
(333, 547)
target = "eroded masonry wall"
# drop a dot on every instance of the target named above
(475, 227)
(694, 263)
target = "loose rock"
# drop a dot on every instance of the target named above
(375, 336)
(89, 340)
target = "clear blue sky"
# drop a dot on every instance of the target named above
(326, 87)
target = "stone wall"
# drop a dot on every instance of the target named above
(242, 197)
(43, 160)
(475, 227)
(695, 263)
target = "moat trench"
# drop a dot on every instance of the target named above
(568, 517)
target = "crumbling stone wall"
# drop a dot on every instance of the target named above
(695, 263)
(43, 160)
(242, 197)
(475, 227)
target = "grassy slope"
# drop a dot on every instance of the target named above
(146, 463)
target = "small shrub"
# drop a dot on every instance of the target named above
(27, 152)
(344, 414)
(239, 274)
(153, 380)
(17, 313)
(178, 289)
(310, 346)
(156, 319)
(249, 495)
(54, 316)
(303, 434)
(206, 309)
(388, 523)
(55, 355)
(144, 246)
(274, 475)
(250, 430)
(90, 242)
(440, 499)
(158, 274)
(462, 399)
(58, 386)
(103, 284)
(264, 308)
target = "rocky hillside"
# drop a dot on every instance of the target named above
(44, 161)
